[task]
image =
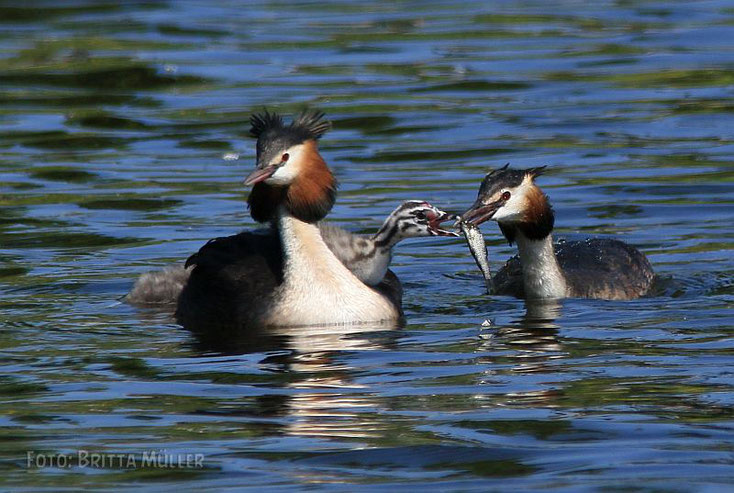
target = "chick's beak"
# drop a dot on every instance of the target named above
(260, 174)
(435, 222)
(480, 212)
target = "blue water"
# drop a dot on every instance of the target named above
(123, 149)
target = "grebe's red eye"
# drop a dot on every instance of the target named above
(285, 157)
(506, 196)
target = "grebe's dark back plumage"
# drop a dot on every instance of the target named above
(249, 262)
(594, 268)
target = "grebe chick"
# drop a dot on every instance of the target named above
(286, 275)
(369, 257)
(594, 268)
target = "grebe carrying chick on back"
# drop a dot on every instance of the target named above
(593, 268)
(367, 256)
(287, 275)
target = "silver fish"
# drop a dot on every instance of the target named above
(478, 249)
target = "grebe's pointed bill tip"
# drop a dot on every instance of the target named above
(259, 174)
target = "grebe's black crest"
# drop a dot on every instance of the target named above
(262, 122)
(505, 177)
(308, 124)
(312, 124)
(273, 135)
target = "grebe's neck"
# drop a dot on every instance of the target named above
(542, 276)
(317, 288)
(306, 256)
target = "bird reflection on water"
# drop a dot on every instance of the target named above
(535, 332)
(531, 344)
(320, 394)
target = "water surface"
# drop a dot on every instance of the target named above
(123, 149)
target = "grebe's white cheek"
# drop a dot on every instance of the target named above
(507, 213)
(282, 176)
(287, 172)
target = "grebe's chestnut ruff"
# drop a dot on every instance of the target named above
(594, 268)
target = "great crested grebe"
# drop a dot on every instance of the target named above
(368, 257)
(594, 268)
(286, 275)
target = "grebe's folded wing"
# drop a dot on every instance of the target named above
(232, 280)
(508, 280)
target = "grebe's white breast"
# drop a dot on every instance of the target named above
(317, 288)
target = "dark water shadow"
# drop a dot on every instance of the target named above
(237, 340)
